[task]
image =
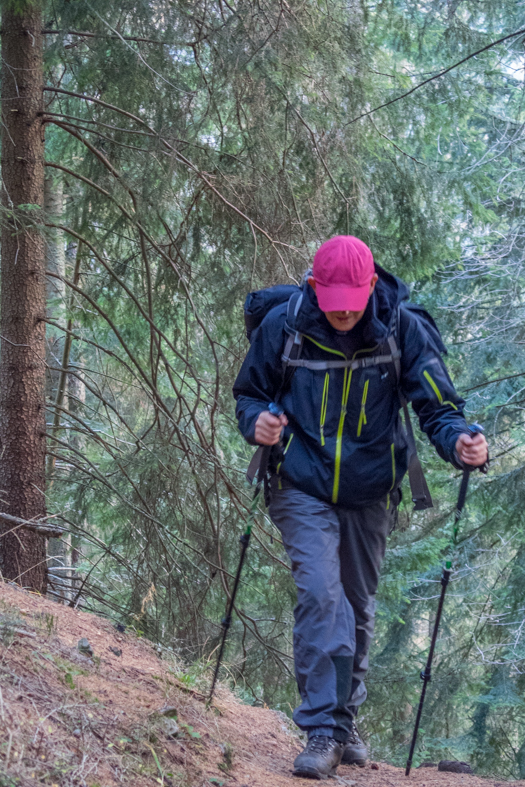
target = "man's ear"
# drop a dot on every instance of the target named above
(373, 283)
(311, 282)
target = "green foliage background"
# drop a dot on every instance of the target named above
(207, 149)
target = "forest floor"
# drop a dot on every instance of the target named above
(128, 715)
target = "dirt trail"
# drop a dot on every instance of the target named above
(68, 719)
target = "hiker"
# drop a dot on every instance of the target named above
(339, 458)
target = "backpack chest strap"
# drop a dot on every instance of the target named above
(359, 363)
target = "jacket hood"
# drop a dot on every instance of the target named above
(377, 320)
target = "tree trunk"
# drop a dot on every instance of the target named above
(23, 294)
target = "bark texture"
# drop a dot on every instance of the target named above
(23, 295)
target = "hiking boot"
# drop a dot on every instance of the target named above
(355, 752)
(320, 758)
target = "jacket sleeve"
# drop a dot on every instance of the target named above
(260, 377)
(427, 385)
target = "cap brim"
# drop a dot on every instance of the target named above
(339, 298)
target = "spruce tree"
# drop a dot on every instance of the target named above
(22, 321)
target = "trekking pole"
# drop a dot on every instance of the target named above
(276, 410)
(426, 674)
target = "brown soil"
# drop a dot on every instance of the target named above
(70, 720)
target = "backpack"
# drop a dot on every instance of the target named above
(260, 302)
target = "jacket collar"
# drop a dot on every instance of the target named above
(377, 321)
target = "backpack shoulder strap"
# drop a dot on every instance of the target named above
(292, 351)
(294, 342)
(394, 342)
(420, 492)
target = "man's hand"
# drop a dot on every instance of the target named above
(268, 428)
(472, 449)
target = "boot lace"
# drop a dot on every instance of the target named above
(354, 736)
(321, 744)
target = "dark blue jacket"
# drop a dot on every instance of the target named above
(344, 442)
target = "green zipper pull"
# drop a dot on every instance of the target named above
(324, 406)
(362, 415)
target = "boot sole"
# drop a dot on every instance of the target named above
(359, 763)
(312, 773)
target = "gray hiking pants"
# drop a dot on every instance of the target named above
(336, 554)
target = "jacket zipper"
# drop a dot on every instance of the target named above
(324, 405)
(346, 392)
(339, 443)
(362, 414)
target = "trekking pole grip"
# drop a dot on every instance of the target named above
(467, 470)
(474, 429)
(275, 410)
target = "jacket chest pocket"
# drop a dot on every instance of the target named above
(371, 403)
(330, 400)
(316, 399)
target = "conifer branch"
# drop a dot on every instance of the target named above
(38, 526)
(86, 34)
(436, 76)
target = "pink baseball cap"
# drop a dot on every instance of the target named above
(343, 269)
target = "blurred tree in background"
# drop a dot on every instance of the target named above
(205, 149)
